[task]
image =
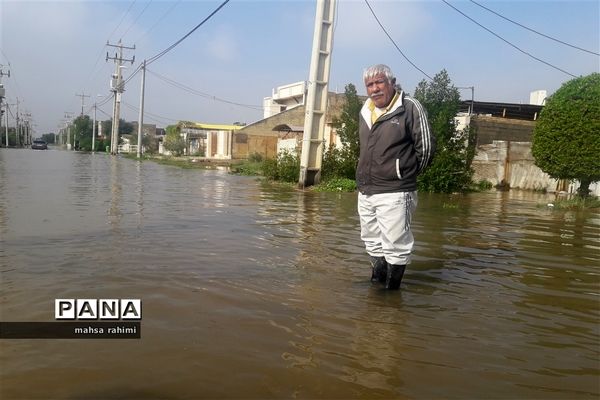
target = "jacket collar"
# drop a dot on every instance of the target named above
(365, 111)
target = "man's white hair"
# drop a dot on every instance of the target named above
(379, 69)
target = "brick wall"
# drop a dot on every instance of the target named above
(260, 137)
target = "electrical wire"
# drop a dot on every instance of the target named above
(158, 21)
(134, 73)
(137, 18)
(122, 18)
(201, 94)
(156, 116)
(533, 30)
(507, 42)
(93, 71)
(165, 51)
(102, 102)
(9, 111)
(104, 112)
(13, 78)
(105, 100)
(162, 53)
(395, 45)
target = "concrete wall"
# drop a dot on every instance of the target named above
(504, 162)
(495, 128)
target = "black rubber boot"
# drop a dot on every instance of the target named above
(394, 276)
(380, 267)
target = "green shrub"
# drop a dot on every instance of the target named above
(337, 185)
(575, 203)
(269, 169)
(247, 168)
(484, 185)
(255, 157)
(286, 168)
(338, 163)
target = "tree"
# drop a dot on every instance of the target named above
(341, 163)
(106, 128)
(49, 138)
(125, 128)
(81, 133)
(149, 142)
(12, 137)
(173, 140)
(566, 138)
(451, 169)
(347, 124)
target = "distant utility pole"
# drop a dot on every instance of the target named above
(6, 127)
(26, 129)
(94, 130)
(2, 95)
(117, 87)
(316, 100)
(68, 117)
(17, 127)
(82, 95)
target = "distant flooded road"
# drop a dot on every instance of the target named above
(251, 291)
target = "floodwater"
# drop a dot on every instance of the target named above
(251, 291)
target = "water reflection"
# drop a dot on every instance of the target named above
(256, 291)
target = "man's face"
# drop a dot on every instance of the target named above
(380, 90)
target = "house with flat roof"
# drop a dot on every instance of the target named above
(211, 141)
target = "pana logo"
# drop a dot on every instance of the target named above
(109, 309)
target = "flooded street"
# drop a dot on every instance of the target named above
(253, 291)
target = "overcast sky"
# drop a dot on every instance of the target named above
(57, 49)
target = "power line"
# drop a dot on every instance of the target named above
(165, 51)
(105, 100)
(156, 116)
(122, 18)
(395, 45)
(133, 74)
(201, 94)
(137, 18)
(158, 21)
(104, 112)
(507, 42)
(533, 30)
(93, 71)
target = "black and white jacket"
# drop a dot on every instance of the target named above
(395, 149)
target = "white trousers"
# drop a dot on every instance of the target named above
(385, 225)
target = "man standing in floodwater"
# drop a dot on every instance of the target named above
(396, 145)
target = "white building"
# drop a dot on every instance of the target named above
(284, 98)
(538, 97)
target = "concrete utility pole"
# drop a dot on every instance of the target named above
(141, 117)
(82, 95)
(118, 89)
(94, 130)
(2, 95)
(316, 101)
(27, 128)
(68, 117)
(1, 114)
(17, 127)
(6, 127)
